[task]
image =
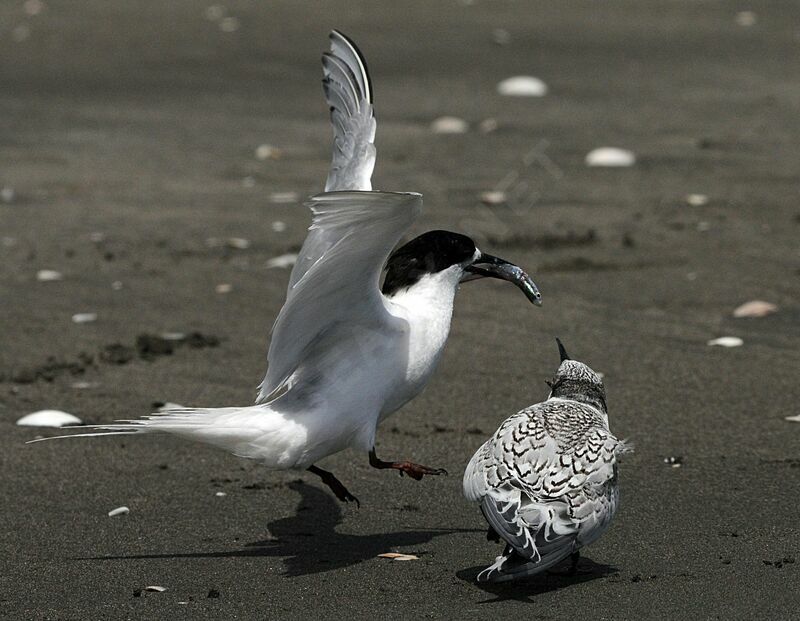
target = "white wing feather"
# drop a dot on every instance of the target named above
(349, 94)
(352, 234)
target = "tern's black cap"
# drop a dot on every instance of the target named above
(429, 253)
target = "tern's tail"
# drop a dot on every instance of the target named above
(254, 432)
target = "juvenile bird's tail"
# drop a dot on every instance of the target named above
(254, 432)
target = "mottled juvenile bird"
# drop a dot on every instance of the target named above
(347, 351)
(546, 480)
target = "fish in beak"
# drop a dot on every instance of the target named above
(487, 266)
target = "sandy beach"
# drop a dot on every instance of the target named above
(130, 165)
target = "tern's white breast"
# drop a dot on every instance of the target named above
(427, 308)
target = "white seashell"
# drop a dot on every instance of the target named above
(278, 226)
(48, 275)
(522, 86)
(223, 288)
(794, 419)
(283, 261)
(220, 494)
(157, 589)
(283, 197)
(173, 336)
(755, 308)
(696, 200)
(48, 418)
(84, 317)
(493, 197)
(118, 511)
(727, 341)
(116, 285)
(267, 152)
(610, 157)
(7, 194)
(449, 125)
(238, 242)
(82, 385)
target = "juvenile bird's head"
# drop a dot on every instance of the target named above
(576, 381)
(436, 252)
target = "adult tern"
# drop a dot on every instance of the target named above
(345, 351)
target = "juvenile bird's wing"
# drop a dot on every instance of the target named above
(349, 94)
(348, 91)
(356, 232)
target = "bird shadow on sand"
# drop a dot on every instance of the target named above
(308, 542)
(526, 589)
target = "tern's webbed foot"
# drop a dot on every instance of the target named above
(415, 471)
(335, 484)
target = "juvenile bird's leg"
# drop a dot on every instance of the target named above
(335, 484)
(575, 557)
(415, 471)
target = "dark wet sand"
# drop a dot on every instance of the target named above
(141, 123)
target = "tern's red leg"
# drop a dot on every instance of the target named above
(335, 484)
(415, 471)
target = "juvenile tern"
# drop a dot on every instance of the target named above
(546, 480)
(345, 351)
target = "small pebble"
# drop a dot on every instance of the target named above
(21, 33)
(229, 24)
(83, 385)
(223, 288)
(283, 197)
(214, 12)
(278, 226)
(610, 157)
(84, 317)
(487, 126)
(283, 261)
(746, 18)
(220, 494)
(755, 308)
(8, 242)
(48, 275)
(33, 7)
(703, 226)
(727, 341)
(49, 418)
(119, 511)
(449, 125)
(7, 194)
(116, 285)
(97, 237)
(501, 36)
(674, 461)
(522, 86)
(691, 276)
(249, 182)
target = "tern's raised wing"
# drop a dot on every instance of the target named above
(355, 232)
(348, 92)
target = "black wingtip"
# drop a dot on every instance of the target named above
(561, 351)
